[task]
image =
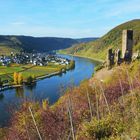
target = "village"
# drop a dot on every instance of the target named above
(30, 67)
(37, 59)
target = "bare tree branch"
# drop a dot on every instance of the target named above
(39, 135)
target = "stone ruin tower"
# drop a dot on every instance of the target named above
(127, 45)
(118, 57)
(110, 58)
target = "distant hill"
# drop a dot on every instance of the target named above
(41, 44)
(85, 40)
(113, 39)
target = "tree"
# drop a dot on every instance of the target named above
(16, 78)
(33, 76)
(30, 80)
(1, 83)
(20, 78)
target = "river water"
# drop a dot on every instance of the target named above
(50, 88)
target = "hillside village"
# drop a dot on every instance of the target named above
(37, 59)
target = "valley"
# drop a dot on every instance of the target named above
(69, 70)
(13, 43)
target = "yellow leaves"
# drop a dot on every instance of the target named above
(45, 104)
(106, 127)
(15, 78)
(18, 78)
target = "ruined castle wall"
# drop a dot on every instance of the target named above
(127, 44)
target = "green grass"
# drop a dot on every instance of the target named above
(6, 73)
(38, 71)
(113, 39)
(8, 77)
(7, 70)
(6, 50)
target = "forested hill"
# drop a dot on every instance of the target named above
(28, 43)
(113, 39)
(85, 40)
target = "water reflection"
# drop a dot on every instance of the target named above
(19, 92)
(1, 96)
(31, 87)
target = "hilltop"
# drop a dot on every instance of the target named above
(14, 43)
(113, 39)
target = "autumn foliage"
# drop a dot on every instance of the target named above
(18, 78)
(108, 110)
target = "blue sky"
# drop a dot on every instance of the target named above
(65, 18)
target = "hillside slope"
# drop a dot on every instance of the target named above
(41, 44)
(85, 40)
(8, 44)
(29, 43)
(108, 110)
(113, 39)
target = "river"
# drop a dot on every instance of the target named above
(50, 88)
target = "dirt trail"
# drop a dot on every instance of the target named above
(103, 74)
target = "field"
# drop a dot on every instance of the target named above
(38, 71)
(6, 50)
(6, 73)
(8, 70)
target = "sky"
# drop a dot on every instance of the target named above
(65, 18)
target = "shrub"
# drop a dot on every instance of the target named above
(102, 129)
(45, 104)
(30, 80)
(98, 67)
(71, 65)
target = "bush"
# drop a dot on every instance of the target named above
(71, 65)
(45, 104)
(30, 80)
(102, 129)
(98, 67)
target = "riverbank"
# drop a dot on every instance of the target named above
(94, 59)
(47, 76)
(37, 79)
(9, 87)
(41, 73)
